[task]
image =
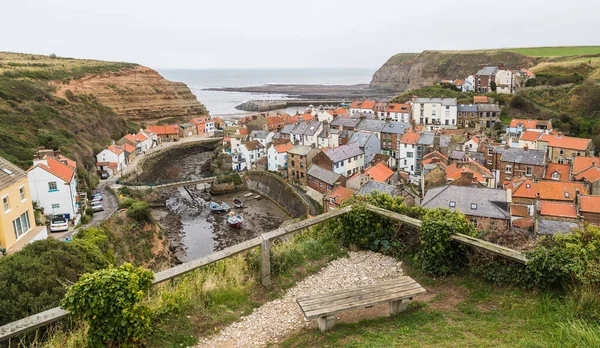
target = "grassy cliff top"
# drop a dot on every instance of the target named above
(34, 66)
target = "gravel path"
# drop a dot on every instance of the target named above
(281, 317)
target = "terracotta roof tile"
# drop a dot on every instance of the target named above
(523, 223)
(283, 147)
(527, 124)
(566, 142)
(129, 148)
(530, 135)
(555, 209)
(435, 154)
(58, 169)
(410, 138)
(69, 161)
(379, 172)
(549, 190)
(589, 204)
(363, 104)
(406, 108)
(581, 163)
(130, 137)
(519, 210)
(480, 99)
(115, 149)
(340, 194)
(591, 174)
(562, 169)
(164, 130)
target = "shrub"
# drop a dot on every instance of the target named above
(140, 212)
(109, 300)
(127, 203)
(438, 253)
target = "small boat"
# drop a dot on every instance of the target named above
(215, 207)
(224, 206)
(247, 195)
(237, 203)
(235, 220)
(257, 197)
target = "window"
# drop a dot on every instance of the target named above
(561, 152)
(320, 184)
(528, 171)
(409, 155)
(489, 162)
(22, 192)
(560, 161)
(490, 152)
(55, 206)
(509, 169)
(314, 181)
(555, 176)
(5, 202)
(350, 160)
(21, 225)
(452, 204)
(52, 186)
(566, 194)
(473, 206)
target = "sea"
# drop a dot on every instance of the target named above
(223, 104)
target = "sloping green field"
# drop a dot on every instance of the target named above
(564, 51)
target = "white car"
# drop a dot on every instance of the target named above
(97, 206)
(59, 223)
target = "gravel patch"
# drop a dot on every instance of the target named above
(279, 318)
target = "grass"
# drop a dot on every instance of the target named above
(465, 312)
(561, 51)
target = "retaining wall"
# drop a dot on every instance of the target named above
(277, 190)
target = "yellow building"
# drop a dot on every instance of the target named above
(16, 211)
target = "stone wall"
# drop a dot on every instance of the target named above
(277, 190)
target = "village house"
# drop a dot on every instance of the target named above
(336, 197)
(275, 123)
(391, 135)
(130, 152)
(516, 162)
(251, 152)
(472, 145)
(587, 170)
(562, 149)
(557, 171)
(505, 81)
(112, 160)
(555, 217)
(527, 191)
(342, 123)
(478, 204)
(320, 181)
(166, 133)
(435, 112)
(396, 112)
(374, 186)
(277, 157)
(300, 158)
(481, 114)
(478, 174)
(16, 216)
(589, 208)
(187, 130)
(346, 160)
(362, 106)
(263, 137)
(529, 138)
(468, 85)
(484, 79)
(408, 148)
(368, 143)
(467, 115)
(378, 172)
(371, 126)
(53, 186)
(518, 126)
(257, 122)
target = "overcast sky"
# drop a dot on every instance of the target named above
(284, 33)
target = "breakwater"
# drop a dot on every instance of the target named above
(268, 105)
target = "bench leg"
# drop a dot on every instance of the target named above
(326, 323)
(398, 306)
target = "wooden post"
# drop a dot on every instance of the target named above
(265, 263)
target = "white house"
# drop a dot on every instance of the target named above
(112, 155)
(362, 106)
(408, 152)
(277, 156)
(435, 112)
(251, 152)
(397, 112)
(238, 162)
(209, 126)
(263, 137)
(469, 84)
(346, 160)
(472, 145)
(505, 82)
(53, 186)
(324, 115)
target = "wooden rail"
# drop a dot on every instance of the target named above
(264, 241)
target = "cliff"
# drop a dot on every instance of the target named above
(138, 94)
(406, 71)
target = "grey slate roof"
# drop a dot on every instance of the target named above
(426, 139)
(366, 115)
(9, 174)
(288, 128)
(186, 125)
(371, 186)
(345, 122)
(488, 107)
(311, 127)
(300, 128)
(488, 70)
(546, 226)
(456, 155)
(395, 127)
(346, 134)
(467, 108)
(259, 134)
(323, 174)
(361, 138)
(334, 131)
(443, 101)
(300, 150)
(491, 203)
(517, 155)
(479, 157)
(445, 140)
(343, 152)
(371, 125)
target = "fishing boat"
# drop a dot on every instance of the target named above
(237, 203)
(215, 207)
(247, 195)
(235, 220)
(224, 206)
(257, 197)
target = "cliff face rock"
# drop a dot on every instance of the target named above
(139, 94)
(406, 71)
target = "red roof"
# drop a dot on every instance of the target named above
(130, 137)
(435, 154)
(530, 135)
(480, 99)
(566, 142)
(549, 190)
(589, 204)
(580, 163)
(555, 209)
(519, 210)
(307, 117)
(58, 169)
(527, 124)
(198, 120)
(164, 130)
(244, 131)
(283, 147)
(363, 104)
(140, 137)
(410, 138)
(525, 222)
(340, 194)
(398, 108)
(69, 161)
(591, 174)
(379, 172)
(115, 149)
(275, 122)
(562, 169)
(129, 148)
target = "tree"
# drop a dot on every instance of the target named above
(493, 86)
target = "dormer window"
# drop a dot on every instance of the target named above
(555, 176)
(452, 204)
(566, 194)
(473, 206)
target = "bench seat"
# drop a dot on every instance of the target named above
(323, 307)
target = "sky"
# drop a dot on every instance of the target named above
(284, 33)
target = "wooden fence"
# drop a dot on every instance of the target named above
(264, 241)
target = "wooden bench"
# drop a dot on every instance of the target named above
(324, 307)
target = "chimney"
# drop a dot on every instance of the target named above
(507, 146)
(509, 195)
(526, 147)
(466, 178)
(501, 66)
(254, 117)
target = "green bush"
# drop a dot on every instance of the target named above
(109, 300)
(438, 253)
(127, 203)
(140, 212)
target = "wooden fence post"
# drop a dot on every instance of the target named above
(265, 263)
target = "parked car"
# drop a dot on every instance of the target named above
(97, 206)
(59, 223)
(97, 197)
(104, 175)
